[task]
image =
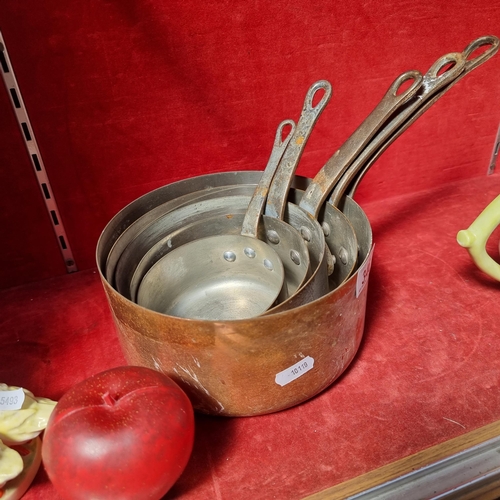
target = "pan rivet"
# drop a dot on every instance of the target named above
(273, 237)
(295, 256)
(249, 252)
(268, 264)
(305, 233)
(326, 228)
(344, 257)
(229, 256)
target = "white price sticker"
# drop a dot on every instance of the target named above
(364, 272)
(295, 371)
(11, 400)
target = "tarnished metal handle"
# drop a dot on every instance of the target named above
(434, 87)
(276, 201)
(473, 63)
(256, 206)
(332, 171)
(446, 69)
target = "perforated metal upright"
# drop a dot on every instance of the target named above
(30, 142)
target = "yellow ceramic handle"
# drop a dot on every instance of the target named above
(474, 239)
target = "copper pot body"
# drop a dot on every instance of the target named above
(255, 366)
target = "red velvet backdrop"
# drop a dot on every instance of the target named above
(125, 96)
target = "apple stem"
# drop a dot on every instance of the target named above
(108, 399)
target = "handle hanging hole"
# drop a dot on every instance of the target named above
(404, 87)
(478, 51)
(446, 67)
(286, 130)
(317, 97)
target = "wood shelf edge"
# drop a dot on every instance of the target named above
(408, 464)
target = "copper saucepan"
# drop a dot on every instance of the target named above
(253, 366)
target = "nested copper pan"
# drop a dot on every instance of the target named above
(246, 367)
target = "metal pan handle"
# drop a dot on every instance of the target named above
(278, 193)
(435, 87)
(492, 41)
(255, 207)
(445, 70)
(328, 176)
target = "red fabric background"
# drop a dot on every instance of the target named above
(127, 96)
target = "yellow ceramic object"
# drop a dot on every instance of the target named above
(22, 418)
(475, 237)
(11, 464)
(31, 458)
(26, 423)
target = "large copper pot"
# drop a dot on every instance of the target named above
(254, 366)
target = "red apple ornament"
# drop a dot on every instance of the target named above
(126, 433)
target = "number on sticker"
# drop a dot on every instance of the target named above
(12, 399)
(295, 371)
(9, 401)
